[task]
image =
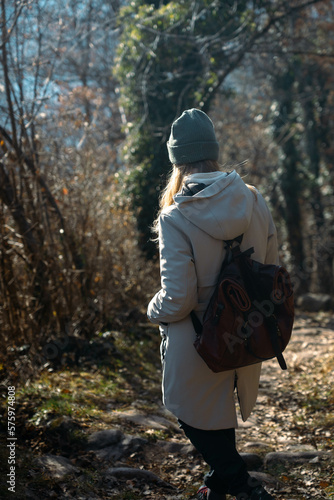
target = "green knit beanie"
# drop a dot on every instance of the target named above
(192, 138)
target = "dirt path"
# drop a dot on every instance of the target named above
(294, 414)
(283, 394)
(134, 450)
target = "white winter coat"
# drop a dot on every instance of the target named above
(191, 237)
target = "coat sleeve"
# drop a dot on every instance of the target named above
(178, 294)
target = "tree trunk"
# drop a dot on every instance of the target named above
(322, 258)
(290, 182)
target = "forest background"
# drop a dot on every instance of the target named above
(88, 91)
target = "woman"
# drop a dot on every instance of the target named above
(200, 208)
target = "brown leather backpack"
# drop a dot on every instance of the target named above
(250, 315)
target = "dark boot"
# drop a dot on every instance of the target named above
(260, 494)
(204, 493)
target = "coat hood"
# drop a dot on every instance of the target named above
(223, 208)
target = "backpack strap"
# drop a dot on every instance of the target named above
(229, 243)
(187, 191)
(198, 327)
(274, 332)
(231, 250)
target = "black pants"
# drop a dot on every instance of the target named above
(228, 472)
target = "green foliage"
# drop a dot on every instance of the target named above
(169, 59)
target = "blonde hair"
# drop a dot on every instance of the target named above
(178, 176)
(175, 180)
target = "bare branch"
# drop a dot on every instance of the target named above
(10, 30)
(248, 46)
(6, 74)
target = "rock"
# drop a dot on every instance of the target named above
(299, 457)
(102, 439)
(131, 444)
(314, 302)
(258, 445)
(132, 473)
(267, 480)
(56, 466)
(63, 424)
(148, 421)
(173, 447)
(252, 460)
(300, 447)
(113, 444)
